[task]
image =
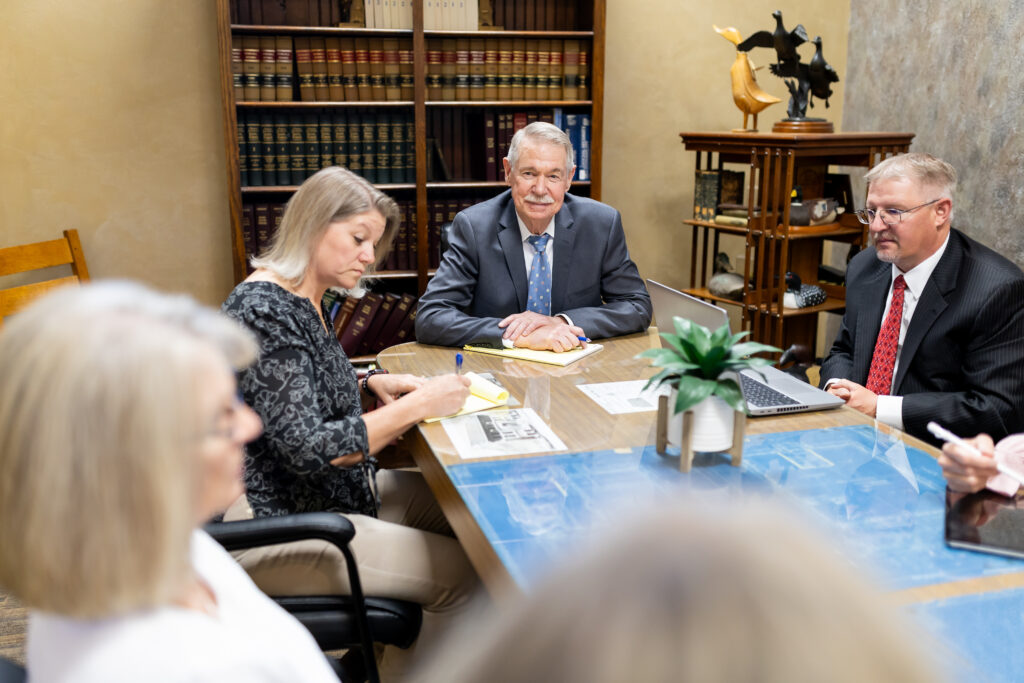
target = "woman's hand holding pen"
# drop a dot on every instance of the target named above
(443, 395)
(966, 471)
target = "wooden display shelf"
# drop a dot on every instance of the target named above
(831, 304)
(477, 184)
(705, 293)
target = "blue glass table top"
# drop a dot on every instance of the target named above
(882, 500)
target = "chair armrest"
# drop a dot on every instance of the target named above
(253, 533)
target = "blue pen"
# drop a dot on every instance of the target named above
(584, 339)
(458, 363)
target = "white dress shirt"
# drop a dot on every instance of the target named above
(890, 408)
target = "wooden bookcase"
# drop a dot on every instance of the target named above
(774, 163)
(414, 280)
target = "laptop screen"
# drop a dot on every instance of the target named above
(669, 303)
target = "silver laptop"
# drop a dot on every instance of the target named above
(774, 393)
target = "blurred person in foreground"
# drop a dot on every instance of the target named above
(679, 594)
(318, 448)
(120, 434)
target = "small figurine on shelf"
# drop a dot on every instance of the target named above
(747, 95)
(725, 283)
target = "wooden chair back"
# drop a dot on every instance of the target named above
(29, 257)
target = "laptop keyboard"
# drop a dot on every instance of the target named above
(760, 394)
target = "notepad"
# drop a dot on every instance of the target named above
(483, 394)
(562, 358)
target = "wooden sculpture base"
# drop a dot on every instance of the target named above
(739, 428)
(805, 126)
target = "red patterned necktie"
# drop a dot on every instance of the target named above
(884, 358)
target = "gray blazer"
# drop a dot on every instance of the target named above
(482, 277)
(962, 361)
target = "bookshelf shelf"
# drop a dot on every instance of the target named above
(254, 29)
(444, 146)
(323, 105)
(500, 33)
(509, 104)
(773, 164)
(288, 189)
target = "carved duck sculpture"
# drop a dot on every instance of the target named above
(820, 74)
(724, 282)
(784, 42)
(749, 98)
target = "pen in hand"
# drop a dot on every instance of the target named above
(940, 432)
(458, 363)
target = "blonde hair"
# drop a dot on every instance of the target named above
(687, 594)
(331, 194)
(98, 422)
(923, 169)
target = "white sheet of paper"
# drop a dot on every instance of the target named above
(501, 432)
(624, 397)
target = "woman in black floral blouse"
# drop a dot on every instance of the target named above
(317, 448)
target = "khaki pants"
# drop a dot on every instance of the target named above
(408, 553)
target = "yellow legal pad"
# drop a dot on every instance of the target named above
(483, 394)
(550, 357)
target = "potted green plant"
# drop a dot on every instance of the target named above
(702, 367)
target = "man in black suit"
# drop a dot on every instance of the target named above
(934, 321)
(493, 286)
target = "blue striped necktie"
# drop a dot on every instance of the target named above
(539, 299)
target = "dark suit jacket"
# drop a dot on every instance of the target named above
(962, 362)
(482, 277)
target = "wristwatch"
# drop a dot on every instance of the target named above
(368, 375)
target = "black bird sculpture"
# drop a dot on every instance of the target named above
(784, 42)
(821, 75)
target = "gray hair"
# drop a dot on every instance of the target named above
(98, 421)
(539, 131)
(331, 194)
(923, 169)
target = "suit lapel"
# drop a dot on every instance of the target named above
(512, 247)
(565, 239)
(930, 307)
(869, 322)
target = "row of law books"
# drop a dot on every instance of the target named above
(324, 69)
(285, 148)
(296, 12)
(468, 69)
(438, 15)
(260, 222)
(471, 144)
(371, 323)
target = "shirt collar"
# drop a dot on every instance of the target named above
(917, 277)
(524, 233)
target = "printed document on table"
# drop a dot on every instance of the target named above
(501, 432)
(624, 397)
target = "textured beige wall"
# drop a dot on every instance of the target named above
(667, 71)
(961, 94)
(111, 125)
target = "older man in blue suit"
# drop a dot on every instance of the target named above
(535, 267)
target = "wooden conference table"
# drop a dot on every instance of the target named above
(877, 490)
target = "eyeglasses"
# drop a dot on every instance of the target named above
(889, 216)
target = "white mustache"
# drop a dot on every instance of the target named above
(534, 199)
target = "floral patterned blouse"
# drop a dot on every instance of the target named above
(305, 390)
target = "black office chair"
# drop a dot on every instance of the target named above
(442, 246)
(336, 621)
(11, 672)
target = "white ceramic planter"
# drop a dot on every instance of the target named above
(713, 421)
